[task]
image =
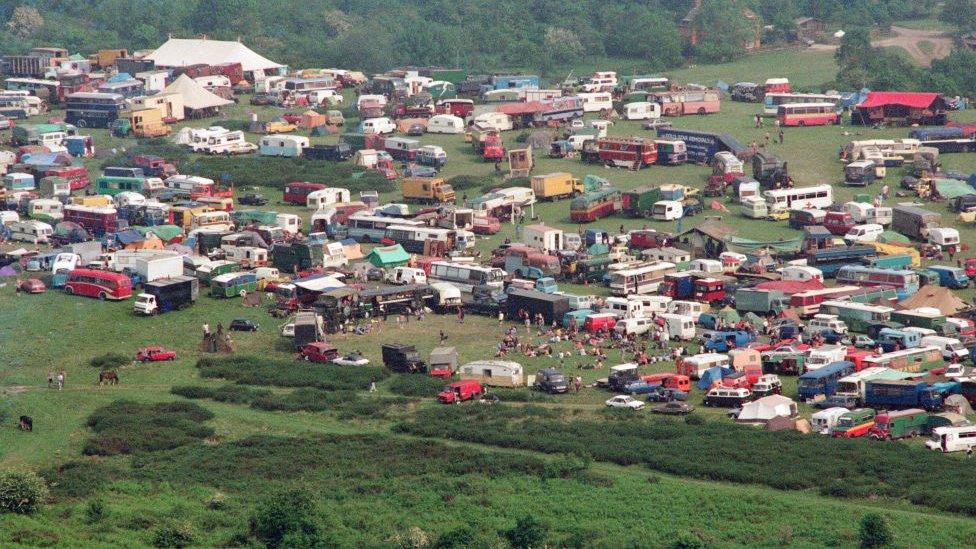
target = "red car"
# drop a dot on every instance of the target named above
(318, 351)
(31, 286)
(155, 354)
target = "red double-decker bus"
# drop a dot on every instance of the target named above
(627, 152)
(77, 176)
(297, 192)
(99, 284)
(95, 220)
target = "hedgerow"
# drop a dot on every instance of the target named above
(416, 386)
(125, 427)
(721, 452)
(277, 172)
(348, 404)
(252, 370)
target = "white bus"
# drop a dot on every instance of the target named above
(366, 227)
(952, 439)
(465, 276)
(413, 238)
(855, 384)
(772, 101)
(641, 280)
(595, 102)
(806, 198)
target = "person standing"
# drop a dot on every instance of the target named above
(781, 135)
(50, 378)
(61, 380)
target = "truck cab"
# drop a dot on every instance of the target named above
(890, 339)
(951, 277)
(551, 381)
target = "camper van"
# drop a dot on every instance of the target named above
(688, 308)
(597, 102)
(861, 234)
(623, 307)
(381, 125)
(636, 326)
(679, 327)
(641, 110)
(695, 366)
(35, 232)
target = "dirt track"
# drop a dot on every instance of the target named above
(908, 40)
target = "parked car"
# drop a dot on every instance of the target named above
(673, 408)
(351, 359)
(5, 123)
(416, 130)
(31, 286)
(836, 401)
(318, 351)
(155, 353)
(625, 401)
(253, 199)
(655, 123)
(416, 170)
(864, 342)
(244, 325)
(666, 394)
(262, 99)
(288, 330)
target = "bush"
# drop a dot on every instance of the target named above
(21, 492)
(95, 511)
(173, 536)
(416, 386)
(465, 182)
(286, 519)
(687, 541)
(527, 533)
(251, 370)
(125, 427)
(78, 479)
(109, 361)
(874, 532)
(277, 172)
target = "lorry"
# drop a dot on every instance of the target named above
(913, 222)
(639, 202)
(902, 393)
(553, 186)
(761, 302)
(701, 145)
(459, 391)
(427, 189)
(166, 294)
(550, 306)
(950, 277)
(900, 424)
(156, 266)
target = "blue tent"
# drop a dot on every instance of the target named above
(712, 375)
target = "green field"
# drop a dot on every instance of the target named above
(371, 491)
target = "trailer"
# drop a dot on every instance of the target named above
(914, 222)
(901, 393)
(702, 146)
(550, 306)
(167, 294)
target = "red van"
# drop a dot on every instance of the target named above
(459, 391)
(670, 381)
(297, 192)
(600, 321)
(318, 351)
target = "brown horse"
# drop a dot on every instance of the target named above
(111, 378)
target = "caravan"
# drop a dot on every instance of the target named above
(322, 198)
(641, 110)
(445, 123)
(597, 102)
(497, 121)
(283, 145)
(35, 232)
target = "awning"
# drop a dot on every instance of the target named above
(915, 100)
(318, 284)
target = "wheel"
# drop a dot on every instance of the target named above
(102, 296)
(68, 290)
(701, 110)
(81, 123)
(801, 123)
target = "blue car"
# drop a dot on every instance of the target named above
(640, 388)
(667, 394)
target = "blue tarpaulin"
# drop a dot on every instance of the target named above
(713, 375)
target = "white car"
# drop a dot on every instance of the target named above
(625, 401)
(352, 359)
(288, 330)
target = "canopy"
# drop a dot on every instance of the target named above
(915, 100)
(195, 96)
(766, 408)
(166, 233)
(318, 283)
(181, 52)
(388, 256)
(952, 188)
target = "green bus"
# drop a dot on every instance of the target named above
(207, 272)
(247, 217)
(113, 185)
(233, 284)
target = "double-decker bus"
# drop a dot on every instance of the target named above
(807, 114)
(857, 316)
(92, 109)
(640, 280)
(594, 205)
(413, 238)
(101, 284)
(95, 219)
(904, 282)
(772, 101)
(799, 198)
(466, 276)
(77, 176)
(366, 227)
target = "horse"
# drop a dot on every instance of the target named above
(111, 377)
(26, 423)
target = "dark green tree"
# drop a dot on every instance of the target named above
(527, 533)
(874, 532)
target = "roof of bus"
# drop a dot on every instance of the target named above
(652, 267)
(98, 273)
(95, 95)
(817, 104)
(830, 369)
(904, 352)
(91, 209)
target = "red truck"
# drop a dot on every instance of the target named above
(627, 152)
(492, 148)
(646, 239)
(839, 223)
(709, 290)
(458, 107)
(459, 391)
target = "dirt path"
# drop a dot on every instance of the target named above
(909, 39)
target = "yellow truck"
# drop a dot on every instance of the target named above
(279, 127)
(141, 123)
(427, 189)
(552, 186)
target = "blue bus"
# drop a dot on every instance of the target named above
(92, 109)
(823, 381)
(904, 282)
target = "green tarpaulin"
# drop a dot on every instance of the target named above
(388, 256)
(166, 233)
(951, 188)
(745, 245)
(728, 314)
(891, 237)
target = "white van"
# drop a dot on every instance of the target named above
(824, 355)
(381, 125)
(952, 439)
(699, 363)
(623, 307)
(406, 275)
(950, 346)
(35, 232)
(636, 326)
(679, 326)
(825, 420)
(641, 110)
(667, 210)
(580, 302)
(691, 309)
(800, 273)
(824, 322)
(869, 232)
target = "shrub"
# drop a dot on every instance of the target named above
(416, 386)
(460, 538)
(286, 519)
(687, 541)
(465, 182)
(277, 172)
(95, 511)
(251, 370)
(192, 391)
(124, 427)
(21, 492)
(527, 532)
(109, 361)
(874, 532)
(173, 536)
(694, 419)
(78, 479)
